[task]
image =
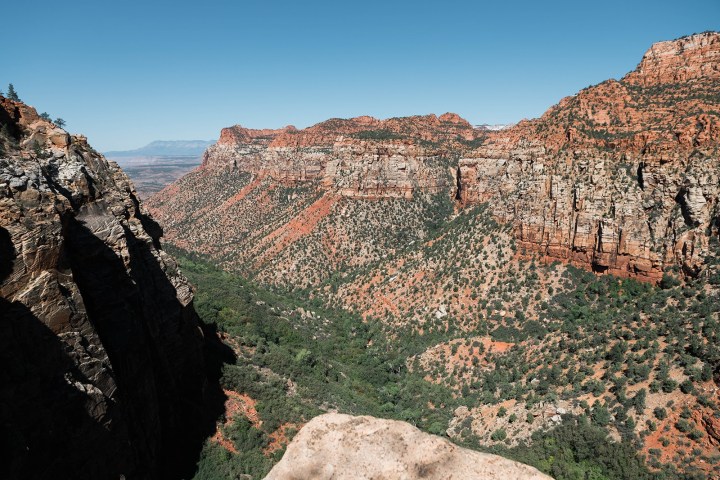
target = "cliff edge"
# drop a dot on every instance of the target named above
(101, 351)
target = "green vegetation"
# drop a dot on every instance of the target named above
(378, 135)
(12, 94)
(577, 450)
(294, 357)
(443, 310)
(297, 357)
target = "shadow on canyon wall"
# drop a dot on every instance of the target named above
(61, 416)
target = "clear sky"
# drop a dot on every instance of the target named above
(128, 72)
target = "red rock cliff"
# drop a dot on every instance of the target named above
(623, 176)
(361, 157)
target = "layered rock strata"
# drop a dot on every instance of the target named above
(361, 157)
(621, 178)
(102, 363)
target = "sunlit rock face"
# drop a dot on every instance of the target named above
(337, 446)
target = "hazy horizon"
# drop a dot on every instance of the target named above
(126, 75)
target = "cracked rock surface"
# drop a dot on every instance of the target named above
(98, 337)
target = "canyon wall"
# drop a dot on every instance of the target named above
(620, 178)
(102, 355)
(359, 158)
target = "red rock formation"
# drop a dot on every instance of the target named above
(623, 176)
(238, 134)
(688, 58)
(361, 157)
(101, 353)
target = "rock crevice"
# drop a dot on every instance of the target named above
(100, 342)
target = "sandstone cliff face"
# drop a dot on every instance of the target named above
(335, 446)
(688, 58)
(99, 340)
(360, 157)
(622, 177)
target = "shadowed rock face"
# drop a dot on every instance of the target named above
(336, 446)
(102, 363)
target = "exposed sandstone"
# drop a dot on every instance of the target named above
(621, 178)
(360, 157)
(336, 446)
(692, 57)
(101, 352)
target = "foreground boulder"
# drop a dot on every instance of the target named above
(337, 446)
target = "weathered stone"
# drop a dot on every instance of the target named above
(607, 195)
(391, 163)
(102, 364)
(59, 138)
(336, 446)
(622, 178)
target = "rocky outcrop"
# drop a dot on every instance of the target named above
(102, 363)
(360, 157)
(688, 58)
(336, 446)
(622, 177)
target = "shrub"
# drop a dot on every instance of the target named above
(668, 281)
(660, 413)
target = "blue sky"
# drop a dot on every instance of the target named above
(126, 73)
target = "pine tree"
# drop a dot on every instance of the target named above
(59, 122)
(12, 94)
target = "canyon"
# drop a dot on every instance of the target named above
(462, 246)
(620, 178)
(546, 291)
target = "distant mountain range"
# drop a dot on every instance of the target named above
(165, 148)
(159, 163)
(495, 127)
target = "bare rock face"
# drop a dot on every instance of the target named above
(622, 177)
(336, 446)
(101, 352)
(691, 57)
(360, 157)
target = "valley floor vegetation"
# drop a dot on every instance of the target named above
(627, 376)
